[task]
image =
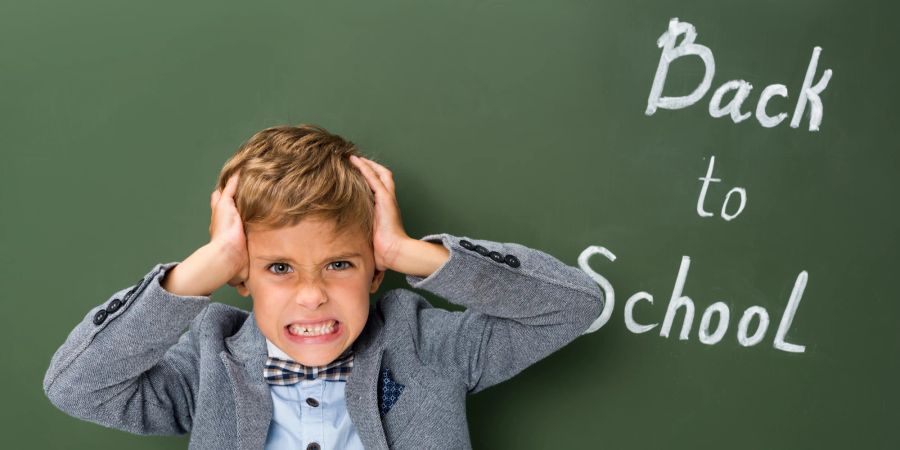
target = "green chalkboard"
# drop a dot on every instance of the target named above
(516, 121)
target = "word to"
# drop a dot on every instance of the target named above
(809, 92)
(741, 192)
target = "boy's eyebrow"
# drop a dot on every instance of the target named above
(329, 258)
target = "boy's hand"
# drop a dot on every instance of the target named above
(394, 249)
(223, 259)
(226, 230)
(387, 234)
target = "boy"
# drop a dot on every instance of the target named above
(308, 228)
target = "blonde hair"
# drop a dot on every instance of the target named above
(289, 173)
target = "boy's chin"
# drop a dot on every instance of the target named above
(314, 360)
(319, 357)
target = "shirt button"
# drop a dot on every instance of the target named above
(313, 446)
(481, 250)
(466, 244)
(496, 256)
(312, 402)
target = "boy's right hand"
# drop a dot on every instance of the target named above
(223, 260)
(226, 231)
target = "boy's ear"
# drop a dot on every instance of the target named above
(242, 290)
(376, 280)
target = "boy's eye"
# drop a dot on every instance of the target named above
(282, 268)
(343, 265)
(278, 268)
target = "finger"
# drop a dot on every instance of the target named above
(384, 174)
(213, 199)
(371, 177)
(231, 185)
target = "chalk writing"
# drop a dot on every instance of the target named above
(809, 91)
(741, 192)
(679, 301)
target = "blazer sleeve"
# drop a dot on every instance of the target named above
(522, 305)
(129, 364)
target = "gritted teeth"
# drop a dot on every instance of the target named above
(309, 330)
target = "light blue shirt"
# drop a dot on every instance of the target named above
(296, 423)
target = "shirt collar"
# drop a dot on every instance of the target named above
(276, 352)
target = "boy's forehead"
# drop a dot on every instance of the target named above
(321, 228)
(316, 238)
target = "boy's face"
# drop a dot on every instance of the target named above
(308, 275)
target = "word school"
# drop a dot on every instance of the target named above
(809, 92)
(680, 301)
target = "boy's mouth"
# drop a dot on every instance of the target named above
(308, 329)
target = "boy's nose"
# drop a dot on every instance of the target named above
(310, 295)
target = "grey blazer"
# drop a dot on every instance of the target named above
(131, 365)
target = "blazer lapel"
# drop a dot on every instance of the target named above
(361, 391)
(244, 359)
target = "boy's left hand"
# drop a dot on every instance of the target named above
(387, 235)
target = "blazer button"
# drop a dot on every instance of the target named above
(481, 250)
(466, 244)
(512, 261)
(312, 402)
(496, 256)
(134, 288)
(100, 316)
(114, 306)
(313, 446)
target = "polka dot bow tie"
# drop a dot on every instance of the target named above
(285, 372)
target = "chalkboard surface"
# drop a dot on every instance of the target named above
(738, 160)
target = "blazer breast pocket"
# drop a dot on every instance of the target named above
(399, 401)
